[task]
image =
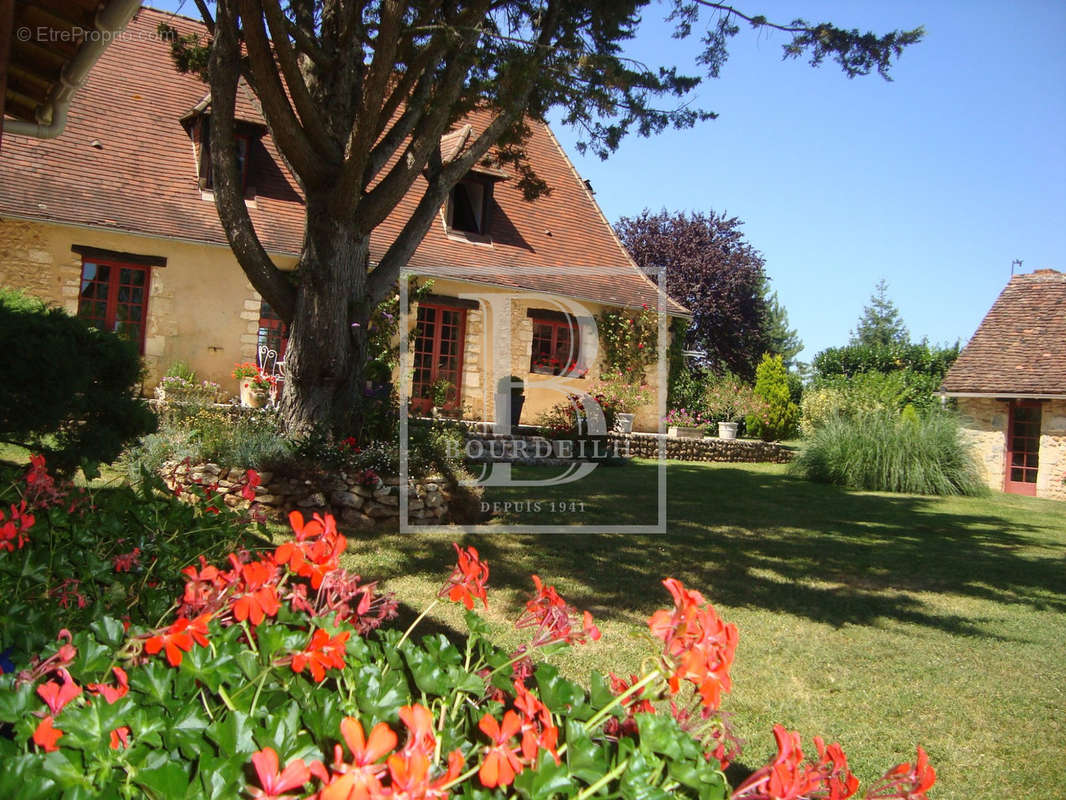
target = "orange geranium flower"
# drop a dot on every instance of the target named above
(699, 646)
(468, 579)
(365, 751)
(501, 764)
(178, 638)
(46, 736)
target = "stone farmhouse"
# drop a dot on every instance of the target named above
(115, 221)
(1010, 385)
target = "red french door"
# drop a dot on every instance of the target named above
(438, 357)
(1023, 447)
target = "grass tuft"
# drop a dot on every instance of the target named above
(888, 452)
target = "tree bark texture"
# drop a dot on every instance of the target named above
(326, 356)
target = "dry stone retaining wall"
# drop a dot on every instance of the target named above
(352, 503)
(646, 445)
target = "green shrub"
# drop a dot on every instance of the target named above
(781, 415)
(867, 391)
(70, 390)
(854, 359)
(884, 451)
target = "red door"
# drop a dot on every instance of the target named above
(1023, 447)
(438, 357)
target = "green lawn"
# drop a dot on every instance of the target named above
(881, 621)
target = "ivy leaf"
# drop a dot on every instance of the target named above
(167, 780)
(154, 680)
(546, 780)
(600, 694)
(109, 631)
(560, 695)
(232, 734)
(586, 759)
(14, 703)
(222, 776)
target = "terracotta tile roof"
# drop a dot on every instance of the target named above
(1020, 346)
(126, 163)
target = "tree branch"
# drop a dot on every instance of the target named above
(309, 113)
(224, 71)
(285, 127)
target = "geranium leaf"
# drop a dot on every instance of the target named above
(586, 759)
(15, 702)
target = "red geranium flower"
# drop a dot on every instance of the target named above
(120, 737)
(179, 637)
(906, 782)
(113, 694)
(554, 619)
(56, 696)
(251, 480)
(255, 597)
(468, 579)
(322, 652)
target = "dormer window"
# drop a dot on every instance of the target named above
(203, 137)
(468, 206)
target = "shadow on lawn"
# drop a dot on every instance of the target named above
(750, 538)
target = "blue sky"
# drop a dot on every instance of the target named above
(935, 181)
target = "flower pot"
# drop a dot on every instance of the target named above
(684, 432)
(727, 430)
(623, 423)
(251, 396)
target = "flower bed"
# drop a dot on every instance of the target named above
(276, 679)
(360, 500)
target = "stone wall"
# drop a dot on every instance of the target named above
(646, 445)
(985, 426)
(351, 503)
(1051, 478)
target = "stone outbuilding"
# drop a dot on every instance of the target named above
(1010, 385)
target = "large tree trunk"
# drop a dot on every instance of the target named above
(326, 355)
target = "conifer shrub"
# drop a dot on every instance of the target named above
(781, 415)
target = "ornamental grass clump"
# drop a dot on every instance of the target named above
(890, 452)
(277, 678)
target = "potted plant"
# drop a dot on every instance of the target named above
(255, 384)
(514, 389)
(621, 397)
(728, 401)
(442, 392)
(685, 424)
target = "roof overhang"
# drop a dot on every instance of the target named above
(1004, 395)
(51, 45)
